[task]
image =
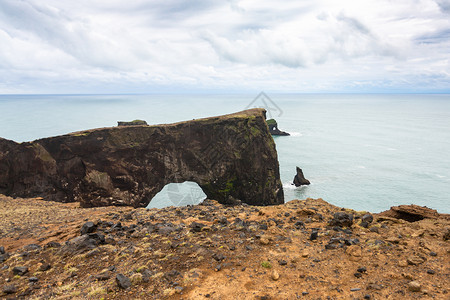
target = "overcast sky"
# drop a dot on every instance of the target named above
(145, 46)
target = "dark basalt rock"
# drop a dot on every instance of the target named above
(273, 128)
(123, 281)
(231, 155)
(410, 213)
(20, 270)
(341, 219)
(299, 178)
(88, 227)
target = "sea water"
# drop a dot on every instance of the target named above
(366, 152)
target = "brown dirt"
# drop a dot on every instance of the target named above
(243, 252)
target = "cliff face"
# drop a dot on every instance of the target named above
(231, 156)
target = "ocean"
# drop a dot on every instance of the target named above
(365, 152)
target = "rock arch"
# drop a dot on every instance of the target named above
(229, 157)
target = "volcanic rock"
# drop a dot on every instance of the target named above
(122, 281)
(341, 219)
(231, 155)
(273, 128)
(9, 289)
(20, 270)
(410, 213)
(299, 178)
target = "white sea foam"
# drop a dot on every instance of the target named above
(296, 134)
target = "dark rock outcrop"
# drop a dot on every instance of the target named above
(341, 219)
(131, 123)
(231, 155)
(299, 178)
(410, 213)
(273, 128)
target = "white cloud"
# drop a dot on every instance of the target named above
(325, 45)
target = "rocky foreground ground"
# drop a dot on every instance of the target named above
(300, 250)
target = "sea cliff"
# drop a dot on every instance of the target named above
(231, 157)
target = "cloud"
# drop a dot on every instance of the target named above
(325, 45)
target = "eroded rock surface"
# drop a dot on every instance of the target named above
(410, 213)
(231, 155)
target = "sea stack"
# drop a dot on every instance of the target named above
(273, 128)
(300, 179)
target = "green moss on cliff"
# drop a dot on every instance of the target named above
(271, 122)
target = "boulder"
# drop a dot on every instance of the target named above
(231, 155)
(341, 219)
(82, 243)
(410, 213)
(299, 178)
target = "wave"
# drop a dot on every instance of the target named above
(296, 134)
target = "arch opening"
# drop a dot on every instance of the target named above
(178, 194)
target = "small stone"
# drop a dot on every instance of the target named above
(367, 218)
(354, 250)
(313, 235)
(218, 268)
(20, 271)
(2, 250)
(264, 241)
(402, 263)
(374, 229)
(136, 278)
(414, 286)
(52, 244)
(431, 272)
(275, 275)
(196, 227)
(282, 262)
(355, 289)
(218, 256)
(364, 224)
(447, 235)
(32, 247)
(374, 286)
(9, 289)
(433, 253)
(88, 227)
(362, 270)
(367, 296)
(415, 260)
(33, 279)
(45, 267)
(122, 281)
(4, 257)
(305, 253)
(103, 276)
(357, 275)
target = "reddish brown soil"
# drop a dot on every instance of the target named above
(243, 252)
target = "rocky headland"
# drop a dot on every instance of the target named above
(231, 157)
(304, 249)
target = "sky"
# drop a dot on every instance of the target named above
(174, 46)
